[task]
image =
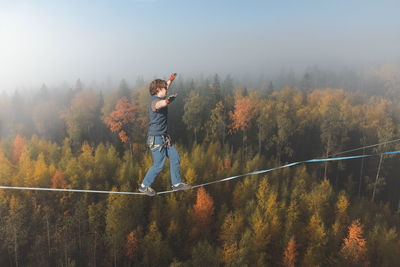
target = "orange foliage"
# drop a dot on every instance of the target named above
(203, 210)
(18, 146)
(354, 249)
(290, 254)
(242, 114)
(131, 246)
(58, 180)
(227, 163)
(123, 114)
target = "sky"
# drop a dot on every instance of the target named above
(51, 42)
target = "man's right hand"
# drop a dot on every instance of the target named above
(171, 79)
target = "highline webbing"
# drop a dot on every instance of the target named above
(204, 184)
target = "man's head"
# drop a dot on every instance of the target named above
(157, 86)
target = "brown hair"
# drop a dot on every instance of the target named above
(157, 84)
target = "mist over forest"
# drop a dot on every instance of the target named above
(373, 80)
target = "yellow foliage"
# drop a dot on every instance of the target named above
(191, 176)
(6, 169)
(41, 175)
(342, 205)
(316, 232)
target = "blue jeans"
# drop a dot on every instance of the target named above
(159, 160)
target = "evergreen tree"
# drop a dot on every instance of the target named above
(194, 116)
(155, 250)
(265, 225)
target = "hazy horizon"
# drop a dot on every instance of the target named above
(55, 42)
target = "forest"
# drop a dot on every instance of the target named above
(93, 137)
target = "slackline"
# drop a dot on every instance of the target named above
(204, 184)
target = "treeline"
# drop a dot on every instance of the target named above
(342, 213)
(290, 216)
(284, 124)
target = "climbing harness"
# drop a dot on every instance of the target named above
(166, 141)
(151, 143)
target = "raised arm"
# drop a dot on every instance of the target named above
(171, 79)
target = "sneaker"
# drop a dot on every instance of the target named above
(181, 186)
(147, 190)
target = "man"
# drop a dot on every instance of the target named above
(159, 141)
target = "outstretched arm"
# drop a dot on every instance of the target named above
(159, 104)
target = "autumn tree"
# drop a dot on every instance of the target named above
(131, 246)
(354, 248)
(18, 146)
(242, 115)
(203, 211)
(120, 120)
(290, 254)
(58, 180)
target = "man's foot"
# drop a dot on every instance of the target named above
(181, 186)
(147, 190)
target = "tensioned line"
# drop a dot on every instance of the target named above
(363, 147)
(204, 184)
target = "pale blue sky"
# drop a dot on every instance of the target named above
(54, 41)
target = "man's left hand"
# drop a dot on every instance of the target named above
(171, 98)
